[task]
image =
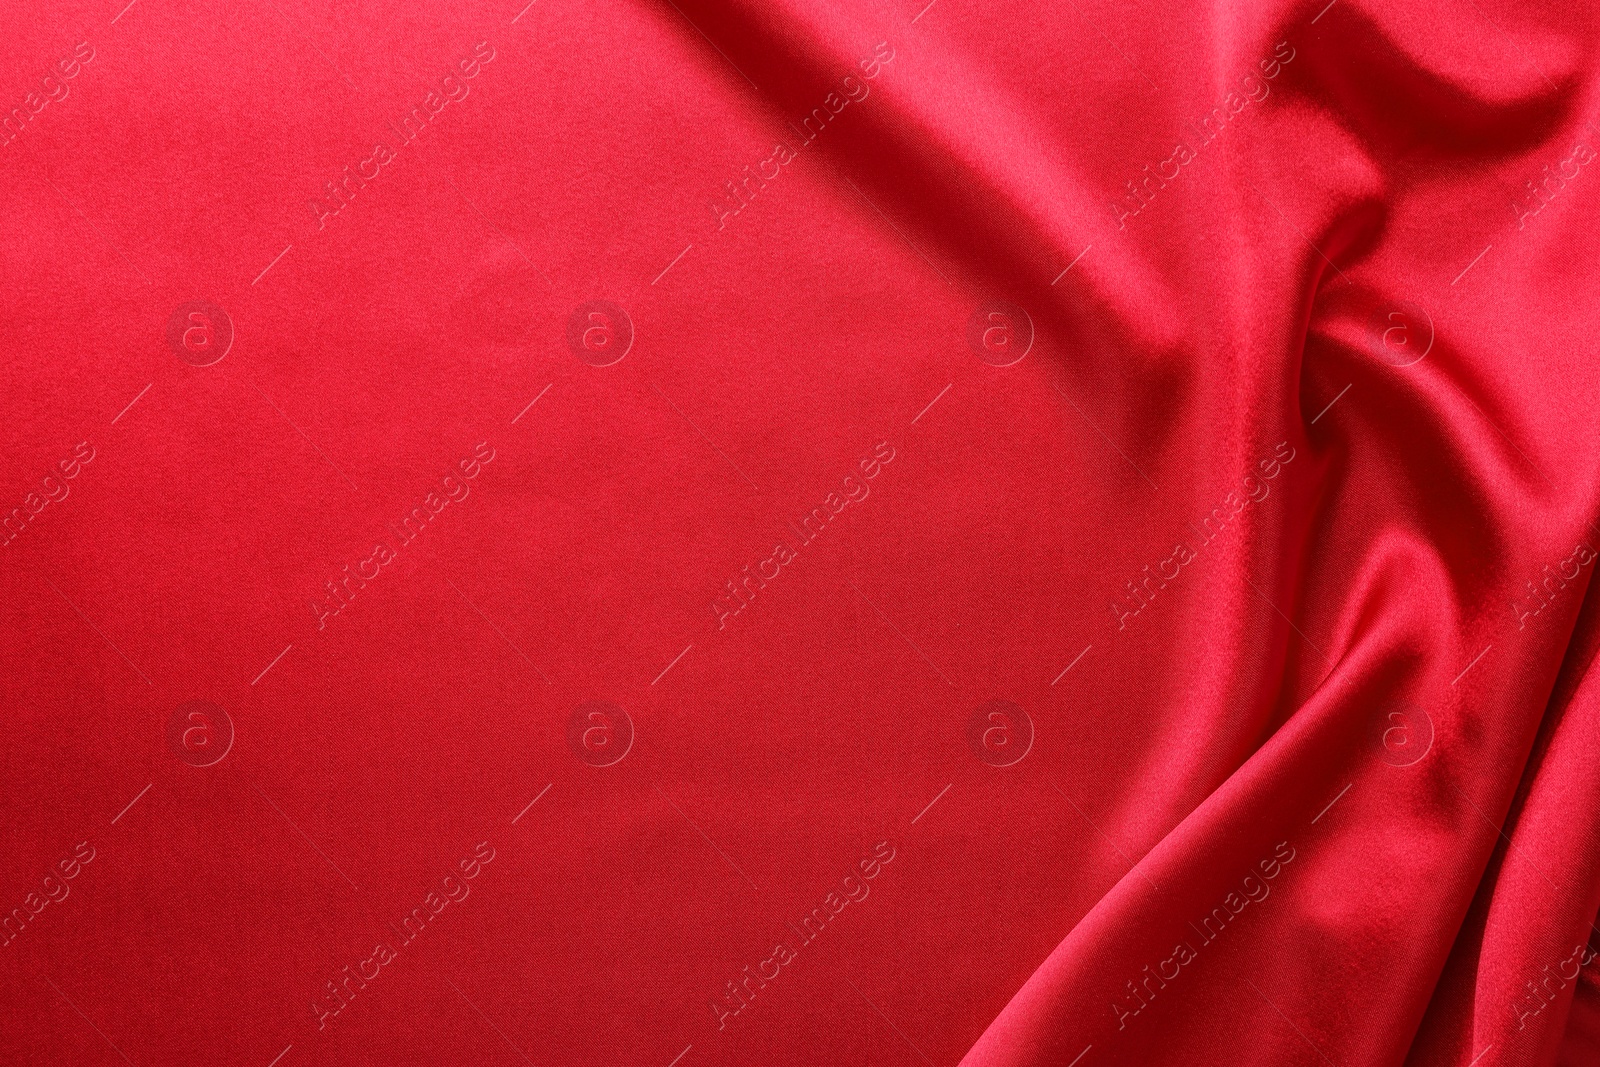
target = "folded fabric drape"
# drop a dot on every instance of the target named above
(709, 532)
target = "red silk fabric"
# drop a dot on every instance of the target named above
(705, 532)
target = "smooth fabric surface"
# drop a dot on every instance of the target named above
(704, 532)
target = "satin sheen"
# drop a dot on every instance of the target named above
(706, 532)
